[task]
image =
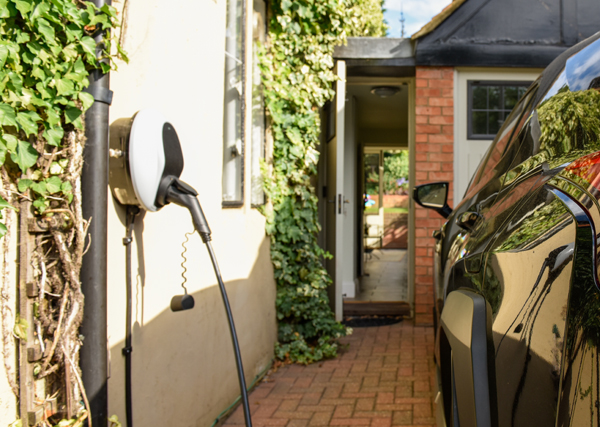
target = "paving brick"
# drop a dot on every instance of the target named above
(383, 378)
(343, 411)
(290, 415)
(290, 405)
(311, 398)
(373, 414)
(381, 422)
(402, 418)
(350, 422)
(320, 419)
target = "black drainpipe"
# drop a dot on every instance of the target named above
(94, 189)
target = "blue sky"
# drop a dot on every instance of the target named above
(416, 14)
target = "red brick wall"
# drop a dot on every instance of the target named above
(434, 151)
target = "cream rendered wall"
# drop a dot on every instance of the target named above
(468, 153)
(183, 364)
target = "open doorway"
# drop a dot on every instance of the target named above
(383, 276)
(365, 210)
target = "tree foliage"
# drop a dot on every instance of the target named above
(367, 20)
(298, 78)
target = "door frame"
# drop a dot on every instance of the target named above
(410, 84)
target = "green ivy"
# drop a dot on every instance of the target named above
(298, 80)
(46, 54)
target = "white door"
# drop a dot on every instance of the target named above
(334, 217)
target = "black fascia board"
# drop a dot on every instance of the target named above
(487, 55)
(358, 68)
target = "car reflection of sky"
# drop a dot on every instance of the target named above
(583, 67)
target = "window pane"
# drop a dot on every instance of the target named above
(489, 105)
(479, 97)
(494, 121)
(511, 96)
(480, 123)
(232, 116)
(257, 194)
(494, 98)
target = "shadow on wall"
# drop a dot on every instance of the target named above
(183, 363)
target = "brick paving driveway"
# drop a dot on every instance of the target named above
(383, 378)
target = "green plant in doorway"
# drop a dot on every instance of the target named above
(297, 75)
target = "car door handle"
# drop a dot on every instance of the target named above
(467, 220)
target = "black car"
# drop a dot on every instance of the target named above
(517, 298)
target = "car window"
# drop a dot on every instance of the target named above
(492, 166)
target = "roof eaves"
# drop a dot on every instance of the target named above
(438, 19)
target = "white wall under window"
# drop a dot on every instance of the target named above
(468, 152)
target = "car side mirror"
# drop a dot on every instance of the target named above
(433, 196)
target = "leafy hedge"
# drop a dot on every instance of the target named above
(298, 79)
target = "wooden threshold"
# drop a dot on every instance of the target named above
(380, 308)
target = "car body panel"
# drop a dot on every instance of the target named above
(529, 249)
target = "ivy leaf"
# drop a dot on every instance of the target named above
(11, 142)
(47, 31)
(27, 120)
(3, 151)
(7, 116)
(70, 51)
(23, 37)
(21, 327)
(52, 117)
(39, 187)
(89, 46)
(54, 136)
(5, 204)
(64, 86)
(56, 168)
(24, 184)
(72, 114)
(3, 54)
(40, 204)
(23, 6)
(106, 68)
(294, 233)
(86, 99)
(122, 54)
(16, 81)
(109, 10)
(4, 11)
(78, 73)
(53, 184)
(66, 187)
(25, 156)
(38, 73)
(45, 91)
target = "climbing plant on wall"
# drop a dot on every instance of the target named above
(47, 51)
(298, 79)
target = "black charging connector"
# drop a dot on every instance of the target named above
(183, 194)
